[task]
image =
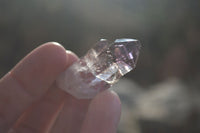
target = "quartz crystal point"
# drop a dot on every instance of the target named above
(100, 68)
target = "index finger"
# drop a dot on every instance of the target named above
(29, 80)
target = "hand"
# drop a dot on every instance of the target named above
(30, 102)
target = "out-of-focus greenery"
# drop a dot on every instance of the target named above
(169, 31)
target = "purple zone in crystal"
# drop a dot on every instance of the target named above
(123, 53)
(110, 61)
(126, 50)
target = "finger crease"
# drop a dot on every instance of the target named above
(21, 85)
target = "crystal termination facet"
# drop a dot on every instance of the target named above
(100, 68)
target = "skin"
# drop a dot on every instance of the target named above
(30, 101)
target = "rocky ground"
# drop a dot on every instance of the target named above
(169, 106)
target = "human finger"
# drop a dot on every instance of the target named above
(41, 115)
(71, 116)
(103, 114)
(29, 80)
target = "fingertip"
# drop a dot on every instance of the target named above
(55, 54)
(103, 113)
(111, 102)
(65, 57)
(53, 43)
(110, 97)
(71, 57)
(50, 53)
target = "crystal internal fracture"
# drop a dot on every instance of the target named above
(100, 68)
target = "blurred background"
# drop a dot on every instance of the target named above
(163, 93)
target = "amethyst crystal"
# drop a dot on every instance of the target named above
(100, 68)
